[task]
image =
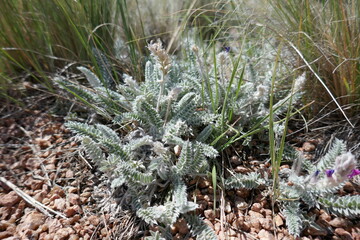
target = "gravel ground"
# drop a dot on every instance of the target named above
(48, 190)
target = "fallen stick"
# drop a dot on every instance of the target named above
(41, 207)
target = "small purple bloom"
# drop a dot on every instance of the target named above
(354, 172)
(330, 172)
(227, 49)
(317, 173)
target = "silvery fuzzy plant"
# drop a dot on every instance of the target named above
(316, 188)
(233, 88)
(163, 140)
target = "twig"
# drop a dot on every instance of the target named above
(84, 159)
(41, 207)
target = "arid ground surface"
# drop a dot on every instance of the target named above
(49, 190)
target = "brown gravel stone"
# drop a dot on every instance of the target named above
(181, 225)
(281, 235)
(315, 232)
(32, 163)
(343, 233)
(255, 214)
(349, 187)
(85, 194)
(208, 198)
(324, 216)
(104, 232)
(54, 225)
(173, 229)
(230, 217)
(83, 200)
(241, 169)
(72, 190)
(227, 207)
(292, 238)
(256, 207)
(54, 196)
(70, 211)
(203, 183)
(254, 219)
(94, 220)
(267, 224)
(31, 220)
(4, 225)
(240, 203)
(34, 184)
(235, 160)
(194, 181)
(9, 199)
(74, 219)
(356, 234)
(69, 174)
(210, 190)
(59, 204)
(209, 214)
(202, 205)
(50, 167)
(340, 223)
(74, 237)
(333, 238)
(5, 234)
(5, 212)
(74, 199)
(59, 191)
(266, 212)
(308, 147)
(177, 237)
(237, 223)
(265, 235)
(63, 233)
(48, 236)
(40, 196)
(46, 201)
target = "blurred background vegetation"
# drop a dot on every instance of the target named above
(39, 38)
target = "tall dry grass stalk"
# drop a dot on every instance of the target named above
(328, 35)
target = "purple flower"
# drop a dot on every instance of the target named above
(227, 49)
(329, 173)
(354, 172)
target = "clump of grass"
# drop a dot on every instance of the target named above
(327, 34)
(39, 37)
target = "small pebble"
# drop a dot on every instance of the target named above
(266, 235)
(256, 207)
(204, 183)
(227, 207)
(235, 160)
(340, 223)
(308, 147)
(343, 233)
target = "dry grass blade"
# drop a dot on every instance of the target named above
(321, 81)
(41, 207)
